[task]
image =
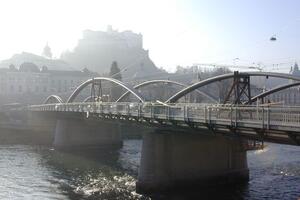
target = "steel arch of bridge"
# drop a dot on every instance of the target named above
(162, 81)
(56, 98)
(98, 79)
(273, 90)
(197, 85)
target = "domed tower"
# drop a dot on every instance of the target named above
(47, 51)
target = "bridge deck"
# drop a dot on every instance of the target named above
(276, 124)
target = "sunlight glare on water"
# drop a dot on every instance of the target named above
(37, 172)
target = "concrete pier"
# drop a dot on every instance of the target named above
(176, 160)
(85, 132)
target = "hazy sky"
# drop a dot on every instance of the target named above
(175, 32)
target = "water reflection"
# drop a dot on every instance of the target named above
(32, 172)
(23, 175)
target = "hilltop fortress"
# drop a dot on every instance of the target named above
(96, 50)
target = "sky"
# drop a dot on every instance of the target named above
(176, 32)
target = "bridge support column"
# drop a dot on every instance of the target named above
(180, 161)
(81, 132)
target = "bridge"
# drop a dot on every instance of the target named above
(184, 143)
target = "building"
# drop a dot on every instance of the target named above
(98, 49)
(289, 96)
(32, 84)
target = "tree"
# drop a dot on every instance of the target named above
(115, 72)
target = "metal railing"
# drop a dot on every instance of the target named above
(237, 116)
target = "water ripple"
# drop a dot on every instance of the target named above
(33, 172)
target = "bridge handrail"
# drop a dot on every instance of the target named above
(252, 116)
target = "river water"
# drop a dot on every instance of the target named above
(39, 172)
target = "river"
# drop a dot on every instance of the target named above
(40, 172)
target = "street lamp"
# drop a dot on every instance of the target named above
(273, 38)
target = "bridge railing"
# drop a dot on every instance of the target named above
(251, 116)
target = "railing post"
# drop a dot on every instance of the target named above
(101, 108)
(127, 111)
(184, 113)
(231, 121)
(187, 112)
(167, 112)
(268, 118)
(151, 111)
(236, 116)
(209, 115)
(139, 111)
(94, 107)
(263, 117)
(205, 114)
(257, 111)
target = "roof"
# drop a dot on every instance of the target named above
(71, 73)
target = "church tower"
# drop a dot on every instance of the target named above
(47, 51)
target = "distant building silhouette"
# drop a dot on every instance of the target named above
(31, 84)
(295, 70)
(52, 64)
(47, 51)
(289, 96)
(98, 49)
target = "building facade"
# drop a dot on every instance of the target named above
(289, 96)
(31, 84)
(97, 50)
